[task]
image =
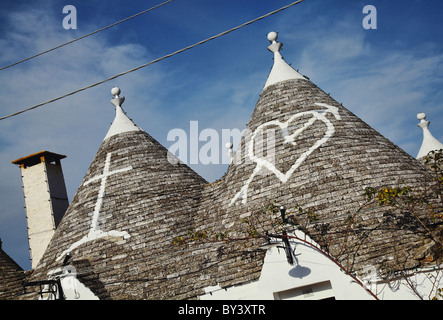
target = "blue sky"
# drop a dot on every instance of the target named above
(385, 76)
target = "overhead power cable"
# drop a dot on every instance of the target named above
(153, 61)
(86, 35)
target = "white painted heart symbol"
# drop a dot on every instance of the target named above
(291, 139)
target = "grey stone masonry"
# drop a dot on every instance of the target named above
(133, 202)
(145, 202)
(331, 180)
(11, 277)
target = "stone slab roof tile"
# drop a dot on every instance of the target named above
(132, 202)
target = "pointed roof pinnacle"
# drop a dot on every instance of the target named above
(281, 71)
(429, 142)
(121, 122)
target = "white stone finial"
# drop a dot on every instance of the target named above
(429, 142)
(115, 91)
(230, 153)
(117, 101)
(421, 116)
(275, 46)
(272, 36)
(281, 71)
(121, 122)
(423, 123)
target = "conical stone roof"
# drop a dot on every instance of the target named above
(303, 148)
(315, 153)
(131, 203)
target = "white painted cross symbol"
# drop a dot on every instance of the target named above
(94, 231)
(101, 193)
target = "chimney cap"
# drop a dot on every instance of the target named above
(36, 158)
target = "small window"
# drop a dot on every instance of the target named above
(315, 291)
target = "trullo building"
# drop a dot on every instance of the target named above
(292, 217)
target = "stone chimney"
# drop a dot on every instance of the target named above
(46, 199)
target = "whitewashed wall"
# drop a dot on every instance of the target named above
(314, 276)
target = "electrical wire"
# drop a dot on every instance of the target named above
(153, 61)
(86, 35)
